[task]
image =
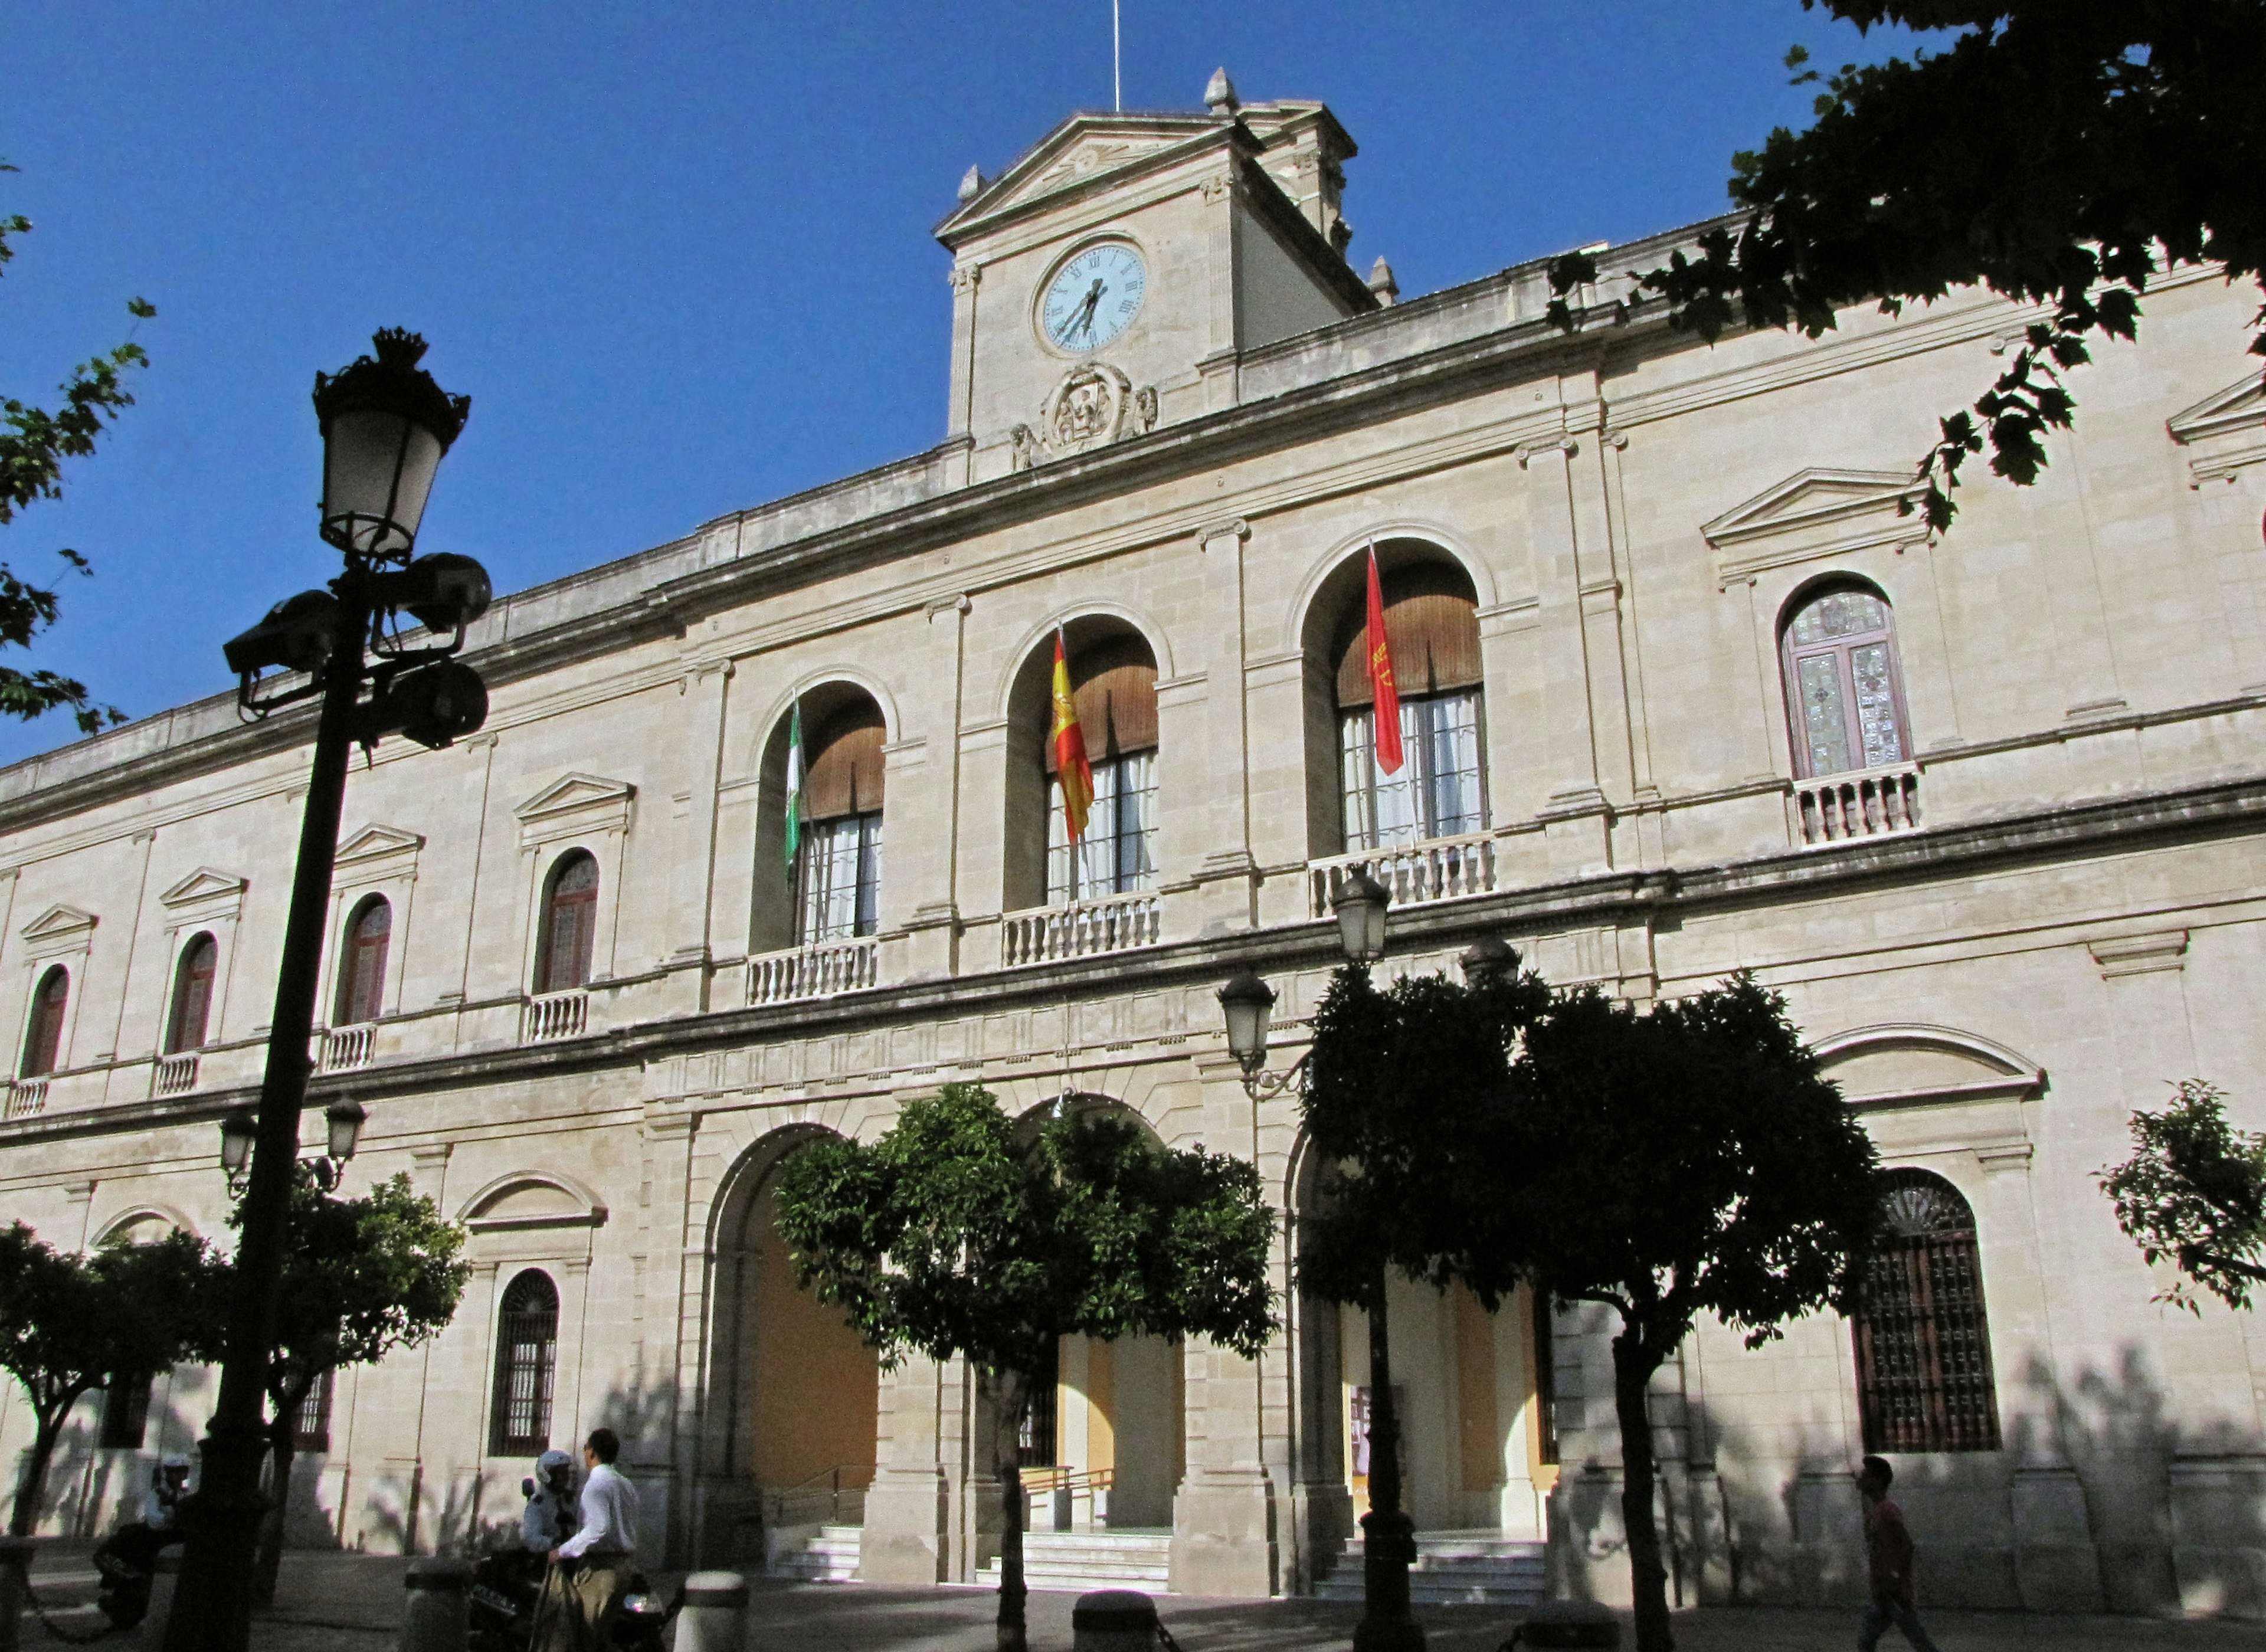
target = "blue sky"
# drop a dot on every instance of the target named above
(679, 256)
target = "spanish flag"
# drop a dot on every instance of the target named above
(1380, 677)
(1076, 774)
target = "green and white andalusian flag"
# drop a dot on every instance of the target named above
(793, 788)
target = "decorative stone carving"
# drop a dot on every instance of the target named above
(1091, 406)
(1219, 93)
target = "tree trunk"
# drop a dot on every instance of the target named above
(48, 1429)
(1010, 1391)
(268, 1563)
(1634, 1365)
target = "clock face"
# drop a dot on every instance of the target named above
(1094, 299)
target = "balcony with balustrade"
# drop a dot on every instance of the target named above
(1865, 803)
(1081, 929)
(1417, 874)
(820, 969)
(554, 1015)
(345, 1048)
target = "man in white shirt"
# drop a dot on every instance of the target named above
(595, 1562)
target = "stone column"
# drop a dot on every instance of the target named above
(1224, 1517)
(907, 1511)
(920, 899)
(1573, 808)
(692, 875)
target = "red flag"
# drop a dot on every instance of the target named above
(1380, 677)
(1070, 766)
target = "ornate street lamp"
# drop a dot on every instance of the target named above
(385, 426)
(237, 1132)
(1388, 1534)
(1487, 962)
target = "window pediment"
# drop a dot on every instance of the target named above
(1812, 514)
(1896, 1066)
(59, 928)
(374, 846)
(205, 896)
(2227, 430)
(574, 806)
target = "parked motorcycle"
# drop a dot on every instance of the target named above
(508, 1588)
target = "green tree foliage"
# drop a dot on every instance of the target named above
(70, 1324)
(957, 1233)
(33, 444)
(2059, 152)
(361, 1277)
(1684, 1160)
(2195, 1191)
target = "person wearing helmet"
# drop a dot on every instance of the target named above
(549, 1518)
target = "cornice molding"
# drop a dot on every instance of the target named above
(1934, 856)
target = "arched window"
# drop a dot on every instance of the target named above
(570, 923)
(362, 964)
(1432, 631)
(1923, 1341)
(527, 1360)
(1113, 686)
(193, 990)
(43, 1039)
(837, 863)
(1845, 696)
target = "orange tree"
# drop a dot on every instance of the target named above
(956, 1233)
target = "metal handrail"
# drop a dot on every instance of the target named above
(827, 1483)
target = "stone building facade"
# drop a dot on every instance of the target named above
(1687, 693)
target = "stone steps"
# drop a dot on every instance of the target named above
(1453, 1569)
(1076, 1561)
(829, 1557)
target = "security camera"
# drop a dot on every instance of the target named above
(297, 635)
(441, 591)
(434, 705)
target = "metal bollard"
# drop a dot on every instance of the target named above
(164, 1577)
(436, 1616)
(715, 1613)
(15, 1589)
(1113, 1620)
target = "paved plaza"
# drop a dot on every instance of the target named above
(352, 1603)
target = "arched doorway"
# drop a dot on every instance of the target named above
(1106, 1446)
(794, 1392)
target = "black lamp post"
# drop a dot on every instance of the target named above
(385, 426)
(1388, 1534)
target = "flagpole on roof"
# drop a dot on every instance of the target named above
(1116, 56)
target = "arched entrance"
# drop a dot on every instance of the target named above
(793, 1390)
(1107, 1446)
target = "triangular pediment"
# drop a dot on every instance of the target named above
(2241, 404)
(1084, 149)
(373, 842)
(59, 922)
(1814, 514)
(203, 884)
(573, 793)
(1810, 498)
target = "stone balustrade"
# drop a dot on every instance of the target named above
(1436, 869)
(346, 1047)
(818, 971)
(1868, 803)
(1111, 923)
(176, 1075)
(555, 1015)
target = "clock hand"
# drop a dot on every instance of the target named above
(1085, 323)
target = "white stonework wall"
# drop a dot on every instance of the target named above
(2074, 924)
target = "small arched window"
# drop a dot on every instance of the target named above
(1432, 632)
(837, 861)
(193, 991)
(1924, 1380)
(570, 923)
(526, 1361)
(361, 963)
(1113, 687)
(43, 1039)
(1845, 693)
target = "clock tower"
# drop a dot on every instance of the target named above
(1111, 280)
